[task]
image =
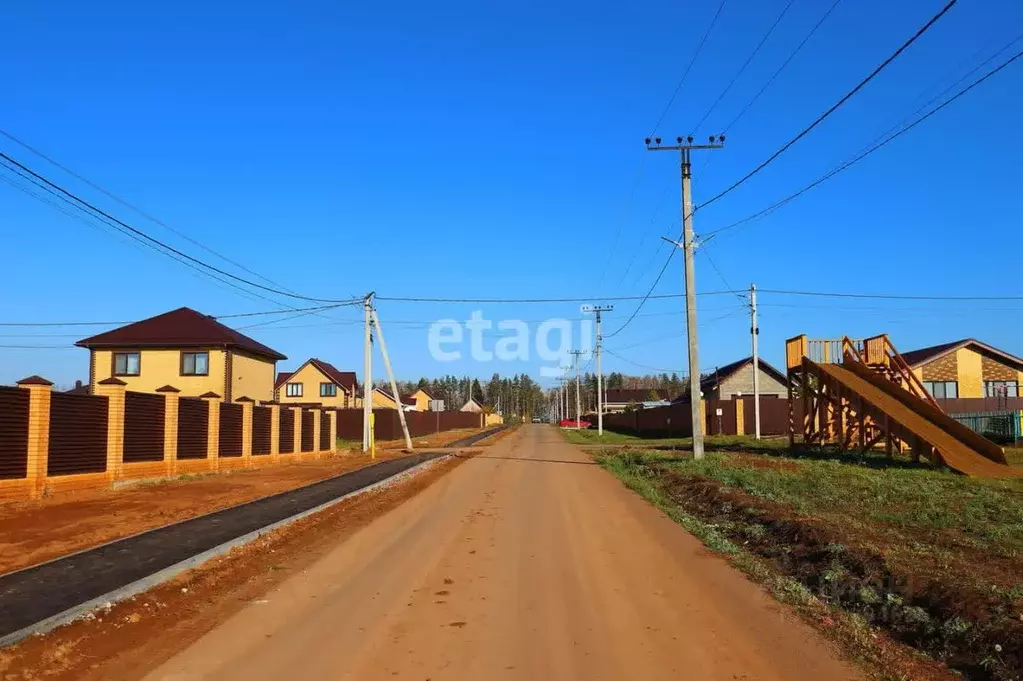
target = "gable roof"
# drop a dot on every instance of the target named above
(723, 373)
(183, 327)
(915, 358)
(404, 400)
(425, 392)
(345, 379)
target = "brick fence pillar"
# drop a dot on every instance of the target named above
(40, 392)
(317, 424)
(275, 433)
(114, 390)
(213, 430)
(297, 445)
(170, 428)
(740, 416)
(247, 405)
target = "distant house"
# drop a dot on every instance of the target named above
(316, 382)
(423, 399)
(384, 400)
(188, 350)
(619, 399)
(79, 389)
(472, 405)
(966, 368)
(736, 380)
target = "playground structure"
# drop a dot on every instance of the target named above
(856, 394)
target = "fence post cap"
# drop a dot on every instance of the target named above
(35, 380)
(243, 398)
(210, 395)
(112, 381)
(167, 389)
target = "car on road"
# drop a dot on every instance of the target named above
(537, 419)
(571, 423)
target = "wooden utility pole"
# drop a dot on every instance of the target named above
(578, 408)
(688, 246)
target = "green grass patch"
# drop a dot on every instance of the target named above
(727, 442)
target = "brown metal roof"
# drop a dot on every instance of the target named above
(626, 395)
(183, 327)
(915, 358)
(345, 379)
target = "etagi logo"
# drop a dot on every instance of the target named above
(552, 341)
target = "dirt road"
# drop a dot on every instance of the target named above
(527, 562)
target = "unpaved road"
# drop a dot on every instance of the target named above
(527, 562)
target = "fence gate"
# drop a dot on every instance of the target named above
(230, 430)
(193, 427)
(144, 416)
(13, 433)
(78, 434)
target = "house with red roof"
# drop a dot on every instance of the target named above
(966, 368)
(316, 382)
(187, 350)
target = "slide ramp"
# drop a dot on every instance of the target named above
(959, 448)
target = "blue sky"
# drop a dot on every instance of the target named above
(464, 149)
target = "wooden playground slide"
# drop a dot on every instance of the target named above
(960, 448)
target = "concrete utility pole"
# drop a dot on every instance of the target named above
(688, 246)
(394, 384)
(754, 331)
(367, 387)
(600, 390)
(576, 354)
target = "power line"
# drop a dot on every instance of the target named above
(222, 316)
(642, 366)
(161, 244)
(130, 206)
(744, 66)
(820, 119)
(685, 74)
(856, 159)
(588, 299)
(781, 68)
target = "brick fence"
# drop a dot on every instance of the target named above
(56, 442)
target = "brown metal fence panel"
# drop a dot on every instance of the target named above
(78, 434)
(349, 424)
(261, 430)
(13, 433)
(193, 427)
(325, 431)
(308, 420)
(144, 415)
(287, 434)
(230, 430)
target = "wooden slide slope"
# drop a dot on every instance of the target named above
(969, 454)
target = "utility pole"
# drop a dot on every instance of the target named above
(688, 246)
(578, 409)
(367, 387)
(754, 331)
(394, 384)
(596, 310)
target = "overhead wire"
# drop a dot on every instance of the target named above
(862, 155)
(12, 162)
(742, 69)
(824, 116)
(685, 74)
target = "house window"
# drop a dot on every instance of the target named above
(195, 364)
(1001, 389)
(328, 390)
(294, 390)
(127, 364)
(941, 390)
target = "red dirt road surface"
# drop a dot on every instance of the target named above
(525, 562)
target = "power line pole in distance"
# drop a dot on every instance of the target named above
(688, 246)
(596, 310)
(754, 331)
(367, 386)
(576, 354)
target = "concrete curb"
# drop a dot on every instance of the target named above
(140, 585)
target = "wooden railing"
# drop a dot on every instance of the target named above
(881, 351)
(829, 351)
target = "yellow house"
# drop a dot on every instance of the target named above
(383, 400)
(966, 368)
(188, 350)
(316, 382)
(423, 399)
